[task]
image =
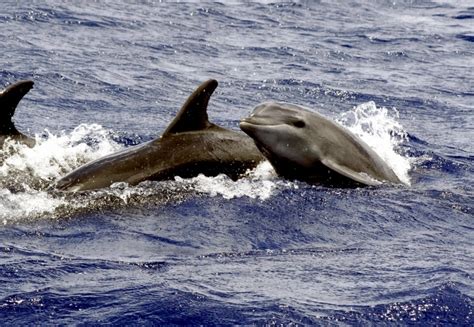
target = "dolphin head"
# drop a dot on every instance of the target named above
(284, 134)
(305, 145)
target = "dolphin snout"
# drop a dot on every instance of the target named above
(249, 120)
(253, 122)
(259, 120)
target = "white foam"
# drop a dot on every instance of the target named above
(26, 173)
(53, 155)
(259, 183)
(380, 129)
(26, 204)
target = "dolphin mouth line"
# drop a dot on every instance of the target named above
(249, 121)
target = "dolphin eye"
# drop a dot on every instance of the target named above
(299, 124)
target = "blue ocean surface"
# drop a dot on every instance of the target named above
(261, 250)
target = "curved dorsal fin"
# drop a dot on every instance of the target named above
(193, 114)
(9, 99)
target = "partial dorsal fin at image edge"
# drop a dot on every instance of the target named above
(9, 100)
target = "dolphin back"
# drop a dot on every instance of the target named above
(191, 145)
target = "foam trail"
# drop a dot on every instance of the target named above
(380, 129)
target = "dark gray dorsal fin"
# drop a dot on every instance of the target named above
(9, 99)
(193, 114)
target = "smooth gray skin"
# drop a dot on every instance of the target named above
(9, 99)
(307, 146)
(190, 145)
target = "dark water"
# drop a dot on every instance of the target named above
(260, 250)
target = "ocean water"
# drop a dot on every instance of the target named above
(260, 250)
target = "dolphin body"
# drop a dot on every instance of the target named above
(9, 100)
(189, 146)
(307, 146)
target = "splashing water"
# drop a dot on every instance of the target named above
(27, 174)
(380, 129)
(53, 156)
(260, 183)
(26, 204)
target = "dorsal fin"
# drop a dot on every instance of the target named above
(9, 99)
(193, 114)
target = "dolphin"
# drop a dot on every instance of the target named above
(9, 99)
(307, 146)
(191, 145)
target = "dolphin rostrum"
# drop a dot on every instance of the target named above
(189, 146)
(307, 146)
(9, 99)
